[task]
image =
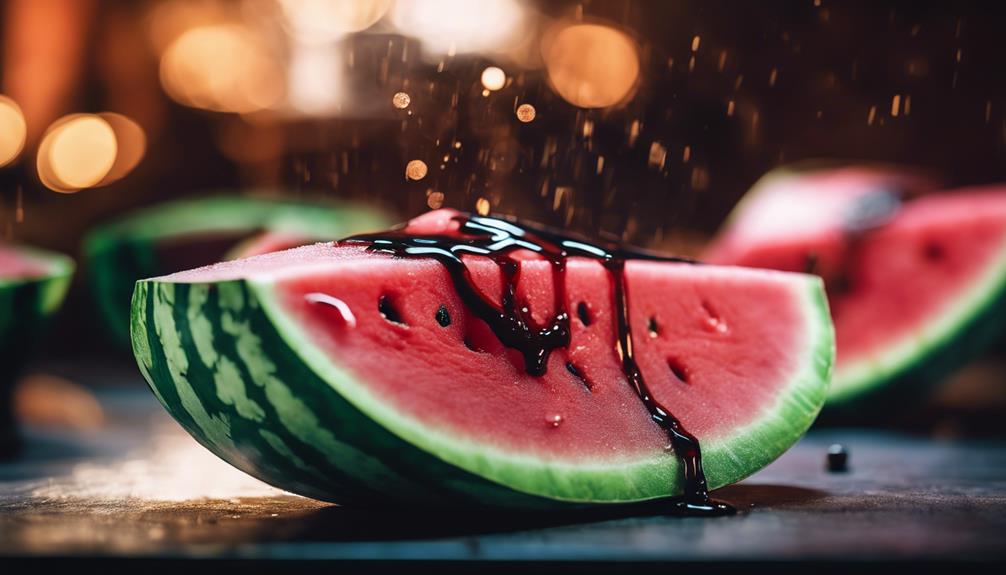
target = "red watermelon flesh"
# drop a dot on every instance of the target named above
(727, 350)
(897, 292)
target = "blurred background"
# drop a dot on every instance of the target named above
(108, 106)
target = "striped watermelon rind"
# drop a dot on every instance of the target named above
(243, 378)
(123, 251)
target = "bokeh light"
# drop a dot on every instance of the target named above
(493, 78)
(461, 26)
(77, 152)
(169, 19)
(314, 79)
(591, 65)
(131, 145)
(12, 130)
(323, 21)
(224, 68)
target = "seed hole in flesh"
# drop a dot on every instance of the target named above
(810, 263)
(443, 316)
(388, 310)
(713, 320)
(933, 252)
(652, 327)
(678, 369)
(583, 313)
(571, 367)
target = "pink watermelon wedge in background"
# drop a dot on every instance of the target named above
(350, 375)
(915, 279)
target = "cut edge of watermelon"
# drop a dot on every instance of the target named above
(858, 375)
(55, 273)
(727, 459)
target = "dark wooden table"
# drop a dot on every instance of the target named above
(139, 489)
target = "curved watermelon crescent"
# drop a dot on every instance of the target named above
(241, 376)
(967, 325)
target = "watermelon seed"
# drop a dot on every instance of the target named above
(810, 262)
(678, 370)
(579, 375)
(443, 317)
(388, 311)
(933, 252)
(583, 313)
(652, 326)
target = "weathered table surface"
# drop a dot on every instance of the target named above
(141, 488)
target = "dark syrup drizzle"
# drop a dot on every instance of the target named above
(497, 239)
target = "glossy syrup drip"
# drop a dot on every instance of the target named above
(497, 239)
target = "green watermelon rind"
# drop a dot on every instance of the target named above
(338, 431)
(51, 284)
(958, 333)
(26, 304)
(122, 251)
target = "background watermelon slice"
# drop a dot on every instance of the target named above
(915, 292)
(32, 285)
(348, 375)
(188, 233)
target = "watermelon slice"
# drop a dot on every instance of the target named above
(188, 233)
(915, 282)
(346, 374)
(32, 286)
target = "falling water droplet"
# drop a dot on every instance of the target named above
(482, 207)
(526, 113)
(416, 170)
(401, 100)
(435, 200)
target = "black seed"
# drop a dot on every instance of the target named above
(578, 375)
(388, 310)
(678, 370)
(651, 325)
(838, 458)
(933, 252)
(810, 263)
(443, 317)
(583, 313)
